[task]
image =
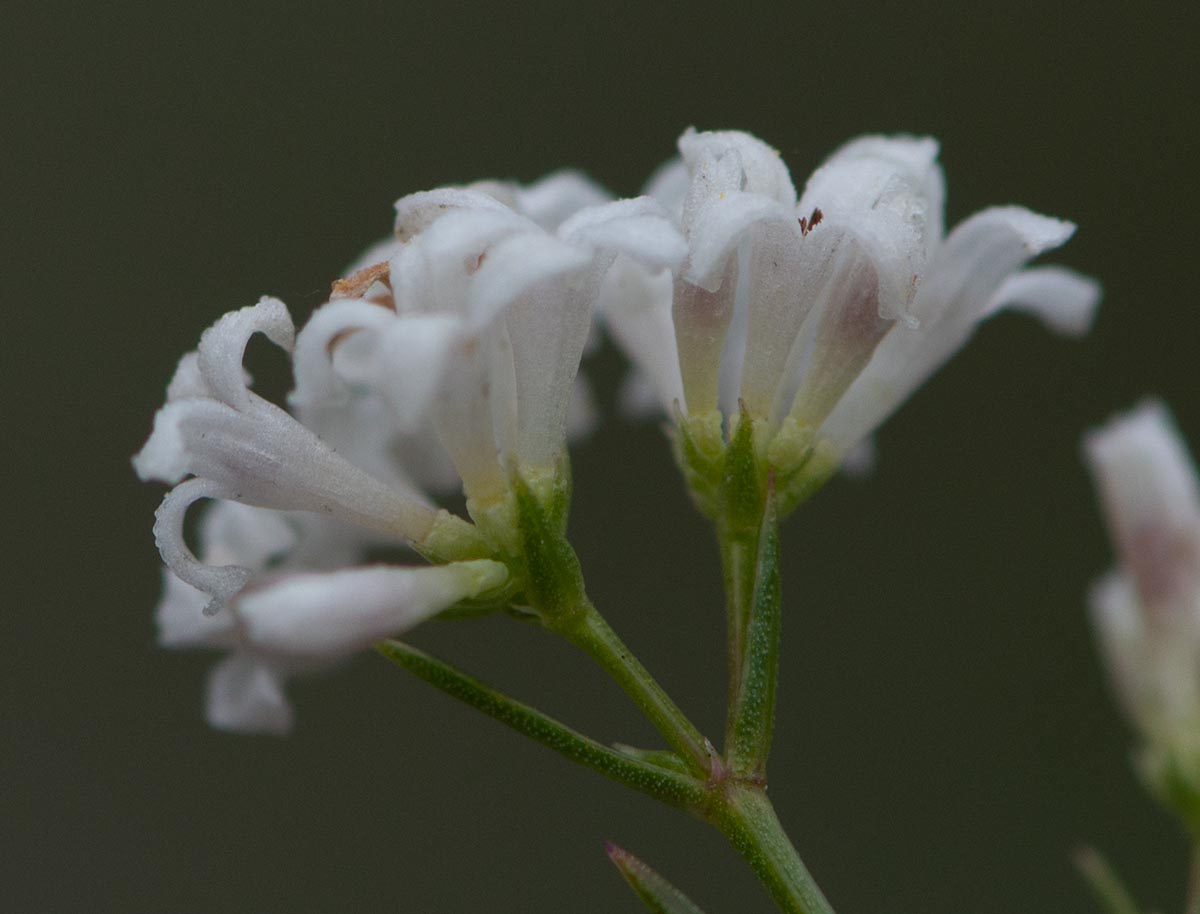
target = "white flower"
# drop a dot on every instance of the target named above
(485, 319)
(830, 310)
(290, 618)
(238, 446)
(1147, 611)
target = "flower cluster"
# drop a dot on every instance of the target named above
(448, 356)
(1147, 611)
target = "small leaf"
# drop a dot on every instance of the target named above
(657, 781)
(658, 895)
(1114, 898)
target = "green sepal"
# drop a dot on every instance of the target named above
(658, 895)
(743, 481)
(452, 539)
(486, 604)
(468, 610)
(1110, 892)
(801, 484)
(699, 446)
(552, 576)
(752, 722)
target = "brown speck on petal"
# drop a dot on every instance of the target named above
(810, 223)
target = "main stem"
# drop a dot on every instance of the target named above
(747, 818)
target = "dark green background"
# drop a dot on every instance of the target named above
(944, 741)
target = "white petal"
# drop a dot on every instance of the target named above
(1152, 500)
(547, 319)
(164, 456)
(223, 345)
(404, 363)
(638, 398)
(182, 622)
(582, 413)
(380, 252)
(953, 297)
(346, 406)
(553, 199)
(424, 458)
(221, 581)
(782, 281)
(513, 266)
(704, 336)
(871, 166)
(1143, 466)
(545, 333)
(464, 410)
(438, 271)
(316, 381)
(636, 307)
(187, 382)
(1116, 618)
(886, 196)
(862, 459)
(715, 230)
(978, 255)
(638, 228)
(669, 186)
(237, 534)
(265, 457)
(245, 695)
(329, 615)
(740, 191)
(846, 330)
(761, 167)
(731, 365)
(503, 191)
(418, 211)
(1153, 660)
(1064, 299)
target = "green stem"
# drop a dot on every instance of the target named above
(593, 634)
(670, 787)
(1193, 889)
(739, 553)
(751, 719)
(748, 820)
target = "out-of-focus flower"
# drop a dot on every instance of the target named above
(1147, 611)
(817, 317)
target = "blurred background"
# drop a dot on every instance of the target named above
(945, 740)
